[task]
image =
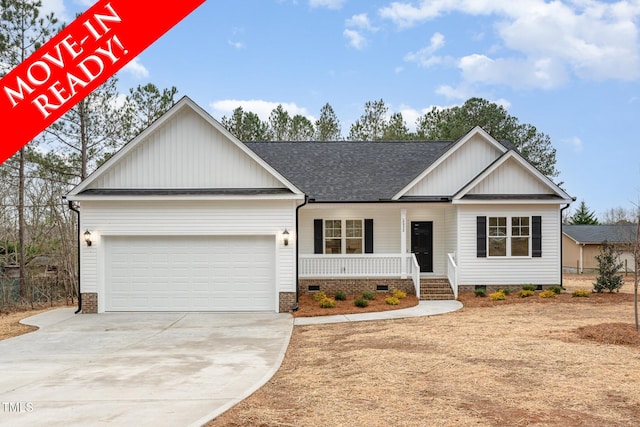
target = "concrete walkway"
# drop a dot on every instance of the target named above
(424, 308)
(142, 369)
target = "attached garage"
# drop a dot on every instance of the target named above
(190, 273)
(186, 218)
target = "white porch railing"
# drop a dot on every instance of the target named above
(414, 268)
(360, 265)
(452, 273)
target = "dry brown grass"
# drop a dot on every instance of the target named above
(516, 364)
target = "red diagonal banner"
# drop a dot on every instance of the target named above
(76, 61)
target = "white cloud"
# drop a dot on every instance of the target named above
(411, 115)
(575, 142)
(590, 39)
(260, 107)
(462, 92)
(425, 57)
(329, 4)
(136, 69)
(360, 21)
(58, 9)
(465, 91)
(237, 45)
(356, 40)
(544, 72)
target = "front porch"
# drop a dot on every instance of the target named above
(354, 273)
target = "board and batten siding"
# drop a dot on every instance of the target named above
(458, 169)
(510, 178)
(186, 152)
(473, 270)
(185, 218)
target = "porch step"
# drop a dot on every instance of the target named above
(437, 288)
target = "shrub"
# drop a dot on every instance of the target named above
(340, 296)
(497, 296)
(580, 293)
(328, 303)
(368, 295)
(608, 266)
(525, 293)
(547, 294)
(480, 292)
(528, 287)
(361, 302)
(319, 296)
(397, 293)
(505, 291)
(392, 300)
(556, 289)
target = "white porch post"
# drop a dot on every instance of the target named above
(403, 243)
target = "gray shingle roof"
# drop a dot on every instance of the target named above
(350, 171)
(600, 233)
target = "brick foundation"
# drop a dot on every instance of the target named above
(493, 288)
(287, 302)
(356, 286)
(90, 302)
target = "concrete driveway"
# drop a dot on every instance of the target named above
(155, 369)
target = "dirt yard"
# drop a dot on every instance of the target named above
(530, 363)
(10, 325)
(520, 362)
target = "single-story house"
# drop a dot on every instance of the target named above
(186, 217)
(581, 244)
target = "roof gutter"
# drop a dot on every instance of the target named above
(77, 211)
(297, 305)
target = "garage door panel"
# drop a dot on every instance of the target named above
(179, 273)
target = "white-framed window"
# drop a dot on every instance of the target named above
(343, 236)
(509, 236)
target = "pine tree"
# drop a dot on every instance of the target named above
(583, 216)
(609, 265)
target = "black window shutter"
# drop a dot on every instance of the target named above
(368, 236)
(536, 239)
(481, 227)
(317, 237)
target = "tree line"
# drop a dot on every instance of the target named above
(378, 124)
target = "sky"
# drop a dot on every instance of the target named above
(570, 68)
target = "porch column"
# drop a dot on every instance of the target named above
(403, 243)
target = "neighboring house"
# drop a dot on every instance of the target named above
(581, 244)
(188, 218)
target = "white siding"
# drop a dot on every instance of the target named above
(186, 152)
(509, 271)
(510, 178)
(190, 218)
(387, 226)
(451, 229)
(458, 169)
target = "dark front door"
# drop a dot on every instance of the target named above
(422, 244)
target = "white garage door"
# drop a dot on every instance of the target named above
(210, 273)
